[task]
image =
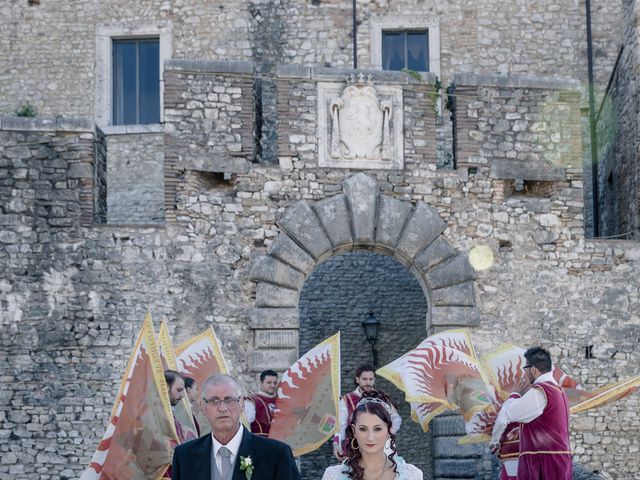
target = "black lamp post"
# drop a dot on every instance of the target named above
(370, 326)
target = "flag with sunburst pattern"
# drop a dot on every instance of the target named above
(307, 407)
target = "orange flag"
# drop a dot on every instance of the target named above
(306, 413)
(182, 411)
(441, 373)
(199, 358)
(141, 435)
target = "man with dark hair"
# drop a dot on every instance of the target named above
(259, 407)
(176, 385)
(191, 387)
(365, 381)
(231, 451)
(542, 409)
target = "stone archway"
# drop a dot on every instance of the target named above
(359, 218)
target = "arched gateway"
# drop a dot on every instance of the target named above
(359, 218)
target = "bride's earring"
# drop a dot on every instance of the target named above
(387, 444)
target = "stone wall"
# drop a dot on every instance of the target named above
(135, 176)
(489, 37)
(73, 294)
(618, 140)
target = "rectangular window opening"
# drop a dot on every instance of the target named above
(405, 49)
(136, 81)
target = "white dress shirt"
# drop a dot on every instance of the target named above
(524, 409)
(233, 446)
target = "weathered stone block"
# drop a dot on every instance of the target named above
(448, 447)
(285, 249)
(276, 339)
(272, 318)
(454, 270)
(301, 223)
(455, 316)
(269, 295)
(335, 218)
(271, 270)
(361, 192)
(392, 215)
(276, 359)
(461, 295)
(437, 252)
(421, 229)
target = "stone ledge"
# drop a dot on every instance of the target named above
(516, 81)
(46, 124)
(502, 169)
(340, 74)
(132, 129)
(209, 66)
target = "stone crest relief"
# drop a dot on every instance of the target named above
(360, 125)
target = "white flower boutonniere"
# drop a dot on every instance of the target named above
(246, 465)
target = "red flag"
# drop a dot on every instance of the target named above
(306, 413)
(141, 434)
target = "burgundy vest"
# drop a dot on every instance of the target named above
(264, 412)
(351, 399)
(545, 452)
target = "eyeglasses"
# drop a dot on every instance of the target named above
(527, 366)
(216, 402)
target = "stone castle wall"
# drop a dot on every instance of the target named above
(487, 37)
(73, 292)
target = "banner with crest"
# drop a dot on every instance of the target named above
(442, 373)
(182, 410)
(307, 407)
(140, 435)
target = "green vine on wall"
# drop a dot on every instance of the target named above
(26, 110)
(436, 92)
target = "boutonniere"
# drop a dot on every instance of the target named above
(246, 465)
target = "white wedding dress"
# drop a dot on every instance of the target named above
(406, 471)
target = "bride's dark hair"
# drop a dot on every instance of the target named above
(353, 455)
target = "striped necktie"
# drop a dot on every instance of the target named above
(225, 463)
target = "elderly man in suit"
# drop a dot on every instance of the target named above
(230, 452)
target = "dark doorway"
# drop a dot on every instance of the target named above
(338, 295)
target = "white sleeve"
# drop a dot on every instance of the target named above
(344, 419)
(524, 409)
(396, 420)
(249, 411)
(413, 473)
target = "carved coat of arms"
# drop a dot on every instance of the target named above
(360, 122)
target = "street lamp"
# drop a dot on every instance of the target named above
(370, 326)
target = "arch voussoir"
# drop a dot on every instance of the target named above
(361, 193)
(285, 249)
(392, 216)
(451, 272)
(422, 228)
(435, 253)
(335, 217)
(276, 296)
(266, 268)
(302, 224)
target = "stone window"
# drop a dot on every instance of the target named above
(128, 89)
(411, 41)
(405, 49)
(136, 81)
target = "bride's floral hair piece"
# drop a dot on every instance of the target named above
(382, 403)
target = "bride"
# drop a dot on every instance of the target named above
(368, 433)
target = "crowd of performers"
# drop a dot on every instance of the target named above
(530, 434)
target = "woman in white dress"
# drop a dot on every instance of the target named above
(368, 433)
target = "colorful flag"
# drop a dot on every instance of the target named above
(199, 358)
(307, 407)
(141, 435)
(182, 410)
(439, 374)
(607, 394)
